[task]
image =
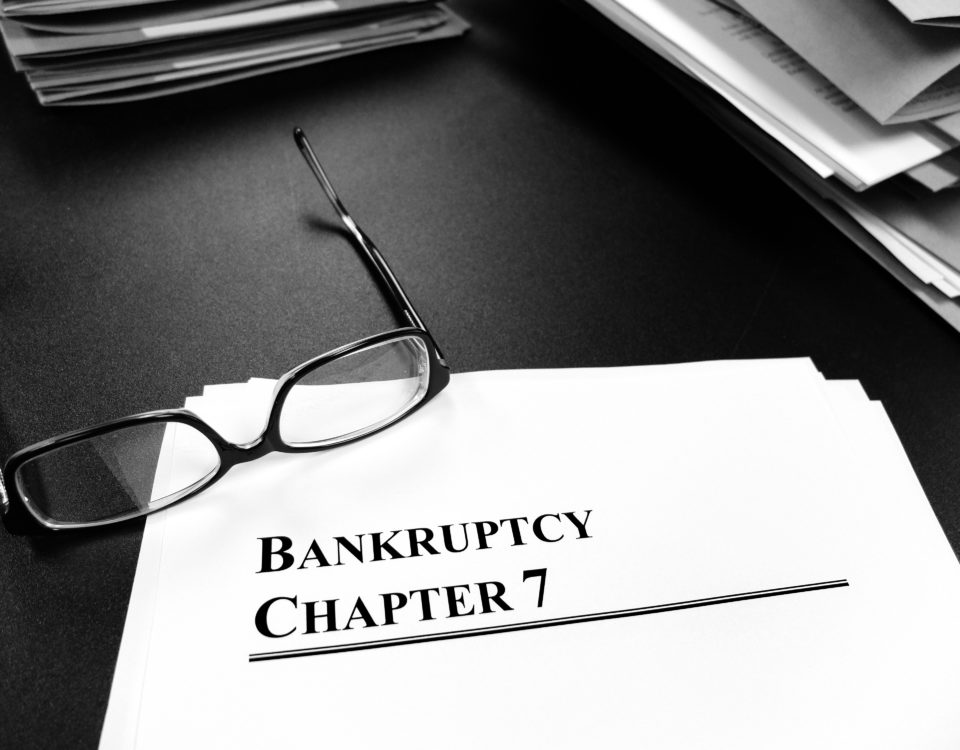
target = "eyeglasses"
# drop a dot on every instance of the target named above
(105, 474)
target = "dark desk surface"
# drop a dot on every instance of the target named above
(547, 201)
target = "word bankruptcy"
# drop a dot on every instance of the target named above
(285, 615)
(276, 554)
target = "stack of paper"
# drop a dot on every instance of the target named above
(864, 104)
(726, 554)
(101, 51)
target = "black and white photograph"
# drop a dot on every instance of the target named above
(480, 374)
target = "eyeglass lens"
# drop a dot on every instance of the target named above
(355, 394)
(117, 474)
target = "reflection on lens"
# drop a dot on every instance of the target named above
(355, 394)
(129, 471)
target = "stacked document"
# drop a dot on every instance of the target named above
(856, 104)
(720, 554)
(103, 51)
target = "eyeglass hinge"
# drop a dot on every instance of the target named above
(4, 500)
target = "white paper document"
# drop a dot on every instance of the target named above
(896, 71)
(938, 174)
(774, 87)
(910, 239)
(97, 54)
(923, 264)
(730, 554)
(934, 12)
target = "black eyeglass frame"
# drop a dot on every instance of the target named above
(21, 516)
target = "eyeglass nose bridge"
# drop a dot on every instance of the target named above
(232, 454)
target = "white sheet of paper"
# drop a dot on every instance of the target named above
(227, 408)
(770, 500)
(938, 174)
(921, 263)
(949, 125)
(937, 12)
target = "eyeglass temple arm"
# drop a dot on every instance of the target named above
(398, 297)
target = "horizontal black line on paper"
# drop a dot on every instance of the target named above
(534, 624)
